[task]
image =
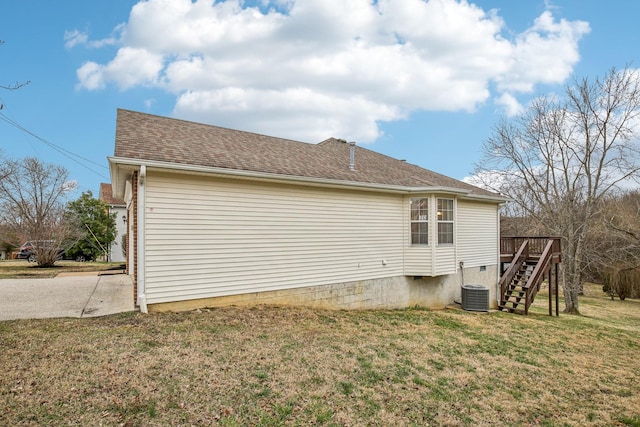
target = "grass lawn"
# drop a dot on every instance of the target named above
(291, 366)
(22, 269)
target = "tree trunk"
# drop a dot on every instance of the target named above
(571, 300)
(571, 281)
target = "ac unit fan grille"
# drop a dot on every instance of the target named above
(475, 298)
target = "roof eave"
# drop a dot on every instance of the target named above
(486, 198)
(121, 166)
(119, 172)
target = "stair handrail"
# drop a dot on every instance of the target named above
(514, 266)
(537, 275)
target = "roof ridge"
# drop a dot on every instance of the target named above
(191, 122)
(148, 137)
(330, 140)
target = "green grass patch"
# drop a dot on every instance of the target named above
(292, 366)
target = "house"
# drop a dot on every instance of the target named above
(219, 217)
(119, 207)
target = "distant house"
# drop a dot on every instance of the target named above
(220, 216)
(119, 207)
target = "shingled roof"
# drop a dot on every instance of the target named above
(147, 137)
(106, 195)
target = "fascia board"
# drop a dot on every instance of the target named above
(128, 164)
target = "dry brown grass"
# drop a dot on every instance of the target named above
(292, 366)
(22, 269)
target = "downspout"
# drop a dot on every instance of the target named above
(142, 297)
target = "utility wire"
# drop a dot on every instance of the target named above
(59, 149)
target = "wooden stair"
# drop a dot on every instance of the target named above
(521, 281)
(514, 298)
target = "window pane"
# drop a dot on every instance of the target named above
(419, 209)
(414, 210)
(420, 233)
(420, 221)
(445, 232)
(445, 210)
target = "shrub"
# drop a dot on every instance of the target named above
(623, 283)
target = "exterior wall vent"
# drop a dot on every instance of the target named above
(475, 298)
(352, 156)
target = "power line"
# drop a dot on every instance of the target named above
(68, 154)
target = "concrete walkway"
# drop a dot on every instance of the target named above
(67, 295)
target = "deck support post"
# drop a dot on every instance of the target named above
(557, 291)
(550, 294)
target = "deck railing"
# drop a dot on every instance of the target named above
(510, 245)
(514, 266)
(534, 282)
(540, 252)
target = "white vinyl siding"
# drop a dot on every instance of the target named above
(210, 237)
(477, 233)
(445, 260)
(418, 261)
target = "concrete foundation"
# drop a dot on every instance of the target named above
(386, 293)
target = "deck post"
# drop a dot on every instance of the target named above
(550, 294)
(557, 291)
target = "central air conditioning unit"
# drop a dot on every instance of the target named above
(475, 298)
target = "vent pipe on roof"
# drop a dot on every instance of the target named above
(352, 155)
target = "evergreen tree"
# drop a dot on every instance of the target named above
(96, 228)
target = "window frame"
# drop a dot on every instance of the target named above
(440, 215)
(422, 221)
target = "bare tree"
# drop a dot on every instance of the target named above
(16, 85)
(32, 203)
(614, 245)
(7, 237)
(559, 159)
(6, 170)
(516, 222)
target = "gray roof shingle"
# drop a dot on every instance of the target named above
(154, 138)
(106, 195)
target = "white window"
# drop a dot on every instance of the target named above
(419, 221)
(445, 221)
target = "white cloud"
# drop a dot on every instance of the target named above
(510, 104)
(76, 37)
(313, 68)
(130, 67)
(299, 110)
(545, 53)
(91, 76)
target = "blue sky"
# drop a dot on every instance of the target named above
(421, 81)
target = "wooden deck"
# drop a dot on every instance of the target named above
(509, 247)
(525, 262)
